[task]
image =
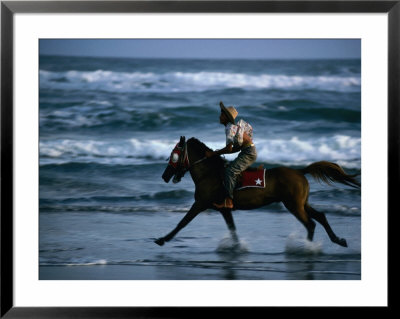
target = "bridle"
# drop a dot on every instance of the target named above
(179, 160)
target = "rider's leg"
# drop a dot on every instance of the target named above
(245, 158)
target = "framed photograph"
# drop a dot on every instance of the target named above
(163, 155)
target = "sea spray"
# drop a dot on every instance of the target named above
(231, 244)
(298, 245)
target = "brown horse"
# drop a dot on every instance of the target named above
(283, 184)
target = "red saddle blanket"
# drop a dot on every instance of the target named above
(252, 178)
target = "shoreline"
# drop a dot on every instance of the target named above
(97, 272)
(149, 272)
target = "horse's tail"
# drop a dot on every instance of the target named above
(330, 172)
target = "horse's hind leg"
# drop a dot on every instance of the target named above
(227, 214)
(301, 214)
(321, 218)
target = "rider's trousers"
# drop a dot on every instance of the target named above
(246, 157)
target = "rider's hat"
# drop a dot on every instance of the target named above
(229, 111)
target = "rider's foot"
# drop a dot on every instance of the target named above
(227, 203)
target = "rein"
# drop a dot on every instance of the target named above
(179, 160)
(199, 161)
(185, 158)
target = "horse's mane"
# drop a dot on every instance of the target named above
(199, 145)
(216, 161)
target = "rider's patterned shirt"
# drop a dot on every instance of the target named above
(234, 133)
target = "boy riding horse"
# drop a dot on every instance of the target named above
(238, 138)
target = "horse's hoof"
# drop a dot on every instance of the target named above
(160, 241)
(342, 242)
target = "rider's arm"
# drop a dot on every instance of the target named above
(228, 149)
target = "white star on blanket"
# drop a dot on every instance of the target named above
(258, 181)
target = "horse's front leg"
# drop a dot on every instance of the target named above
(192, 213)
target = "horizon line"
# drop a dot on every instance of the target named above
(197, 58)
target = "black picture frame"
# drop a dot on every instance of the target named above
(9, 8)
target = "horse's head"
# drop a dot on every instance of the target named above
(178, 162)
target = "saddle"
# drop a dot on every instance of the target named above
(252, 177)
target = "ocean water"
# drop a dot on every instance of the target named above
(107, 126)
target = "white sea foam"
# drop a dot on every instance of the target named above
(188, 81)
(229, 245)
(88, 263)
(342, 149)
(295, 244)
(105, 152)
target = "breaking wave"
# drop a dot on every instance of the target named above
(111, 81)
(342, 149)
